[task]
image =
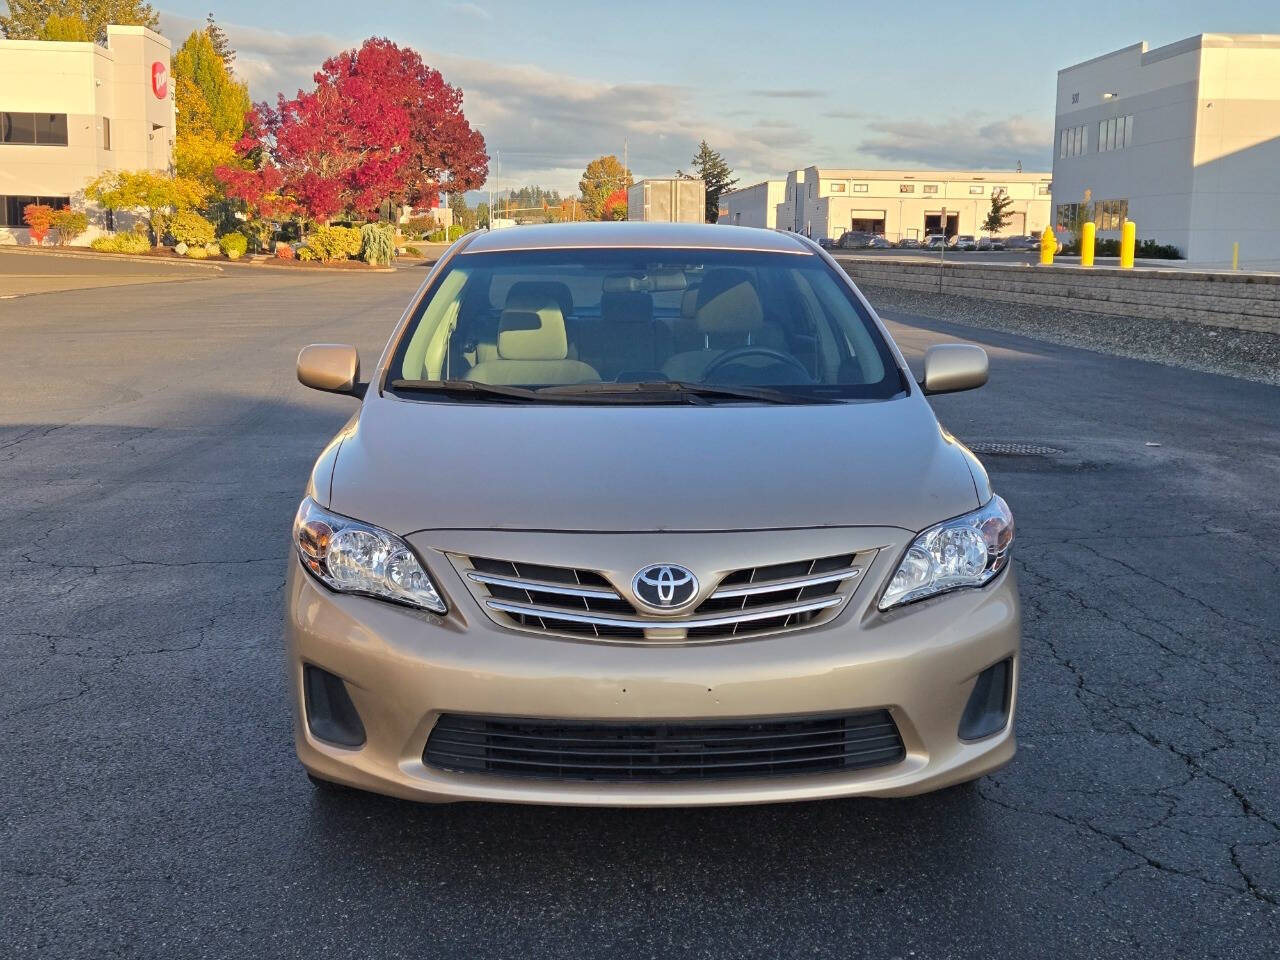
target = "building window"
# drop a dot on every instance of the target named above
(859, 188)
(906, 188)
(1073, 141)
(1075, 98)
(1115, 133)
(976, 189)
(106, 133)
(11, 208)
(835, 187)
(44, 129)
(929, 188)
(1111, 214)
(1043, 190)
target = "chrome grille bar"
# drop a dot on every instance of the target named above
(543, 586)
(650, 623)
(777, 586)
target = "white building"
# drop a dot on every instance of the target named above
(909, 204)
(1184, 140)
(753, 206)
(70, 111)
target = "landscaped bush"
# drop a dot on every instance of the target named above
(122, 243)
(192, 229)
(1158, 251)
(283, 250)
(234, 245)
(306, 254)
(39, 219)
(378, 243)
(1110, 247)
(335, 243)
(456, 231)
(438, 236)
(412, 252)
(418, 227)
(197, 253)
(69, 224)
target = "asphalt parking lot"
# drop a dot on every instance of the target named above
(153, 446)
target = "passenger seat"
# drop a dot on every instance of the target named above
(625, 339)
(532, 349)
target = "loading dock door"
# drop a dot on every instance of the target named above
(867, 221)
(933, 223)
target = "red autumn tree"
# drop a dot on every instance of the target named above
(39, 218)
(615, 205)
(380, 125)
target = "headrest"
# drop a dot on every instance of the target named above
(626, 307)
(523, 293)
(728, 303)
(533, 334)
(689, 304)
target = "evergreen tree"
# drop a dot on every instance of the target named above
(711, 169)
(218, 37)
(30, 19)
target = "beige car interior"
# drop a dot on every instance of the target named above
(532, 346)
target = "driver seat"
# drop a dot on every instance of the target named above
(727, 314)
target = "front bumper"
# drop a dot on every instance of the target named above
(403, 668)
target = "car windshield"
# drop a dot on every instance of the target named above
(672, 323)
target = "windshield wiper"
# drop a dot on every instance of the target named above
(678, 390)
(466, 389)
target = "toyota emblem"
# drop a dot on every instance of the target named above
(665, 586)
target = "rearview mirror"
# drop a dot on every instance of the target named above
(951, 367)
(332, 367)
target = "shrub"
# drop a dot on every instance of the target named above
(418, 227)
(1158, 251)
(438, 236)
(412, 252)
(306, 254)
(69, 224)
(39, 218)
(197, 253)
(335, 243)
(377, 243)
(283, 250)
(456, 231)
(122, 243)
(234, 245)
(192, 229)
(1110, 247)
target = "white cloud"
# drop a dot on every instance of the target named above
(471, 10)
(545, 125)
(968, 142)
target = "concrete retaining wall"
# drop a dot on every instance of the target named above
(1240, 300)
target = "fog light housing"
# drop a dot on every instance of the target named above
(987, 711)
(331, 716)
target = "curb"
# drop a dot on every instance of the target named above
(102, 255)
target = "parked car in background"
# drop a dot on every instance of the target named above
(879, 243)
(935, 241)
(1022, 243)
(910, 243)
(966, 241)
(855, 240)
(990, 243)
(826, 243)
(624, 603)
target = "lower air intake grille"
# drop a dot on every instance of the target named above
(597, 750)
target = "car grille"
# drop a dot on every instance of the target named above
(749, 602)
(596, 750)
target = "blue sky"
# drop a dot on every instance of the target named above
(772, 86)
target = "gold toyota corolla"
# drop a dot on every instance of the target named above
(648, 514)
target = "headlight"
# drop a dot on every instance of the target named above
(965, 552)
(355, 557)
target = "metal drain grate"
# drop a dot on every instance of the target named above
(1000, 448)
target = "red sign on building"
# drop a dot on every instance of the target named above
(160, 79)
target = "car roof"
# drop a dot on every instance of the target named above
(706, 236)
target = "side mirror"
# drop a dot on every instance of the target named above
(332, 367)
(951, 367)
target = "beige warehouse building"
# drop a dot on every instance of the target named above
(70, 111)
(753, 206)
(909, 204)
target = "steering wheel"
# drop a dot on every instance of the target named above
(739, 353)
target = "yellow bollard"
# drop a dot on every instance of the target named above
(1048, 246)
(1087, 234)
(1235, 255)
(1128, 240)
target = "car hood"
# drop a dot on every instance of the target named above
(407, 465)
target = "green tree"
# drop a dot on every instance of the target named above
(29, 19)
(715, 173)
(211, 107)
(602, 177)
(218, 37)
(463, 215)
(72, 29)
(999, 215)
(157, 194)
